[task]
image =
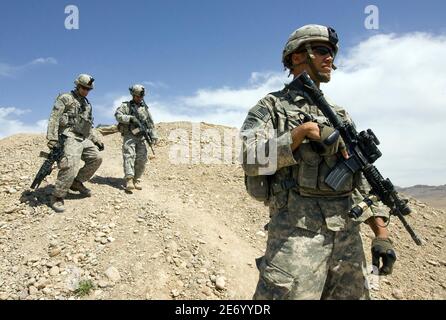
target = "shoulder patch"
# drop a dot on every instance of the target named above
(248, 124)
(260, 112)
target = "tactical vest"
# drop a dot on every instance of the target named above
(131, 110)
(308, 175)
(77, 116)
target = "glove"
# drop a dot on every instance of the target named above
(100, 146)
(383, 248)
(52, 144)
(329, 143)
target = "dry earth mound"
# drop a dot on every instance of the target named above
(191, 233)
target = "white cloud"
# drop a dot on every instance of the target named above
(10, 123)
(226, 106)
(49, 60)
(155, 84)
(107, 109)
(7, 70)
(227, 98)
(396, 86)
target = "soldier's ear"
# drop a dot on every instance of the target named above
(298, 58)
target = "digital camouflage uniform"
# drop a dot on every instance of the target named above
(134, 149)
(314, 249)
(72, 117)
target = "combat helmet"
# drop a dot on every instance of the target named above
(306, 34)
(84, 80)
(137, 90)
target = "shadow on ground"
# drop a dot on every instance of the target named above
(117, 183)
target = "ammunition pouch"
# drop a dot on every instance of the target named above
(308, 168)
(82, 127)
(313, 170)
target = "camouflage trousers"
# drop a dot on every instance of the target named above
(134, 153)
(300, 264)
(69, 165)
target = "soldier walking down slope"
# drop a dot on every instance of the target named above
(71, 121)
(135, 124)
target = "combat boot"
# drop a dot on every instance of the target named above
(129, 186)
(79, 186)
(137, 184)
(57, 204)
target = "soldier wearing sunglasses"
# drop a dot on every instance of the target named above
(314, 249)
(71, 121)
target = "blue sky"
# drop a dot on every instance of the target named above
(184, 52)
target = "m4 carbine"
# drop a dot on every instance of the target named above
(363, 152)
(55, 155)
(143, 129)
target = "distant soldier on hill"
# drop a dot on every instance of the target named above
(71, 121)
(135, 122)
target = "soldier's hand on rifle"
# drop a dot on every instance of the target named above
(52, 144)
(330, 142)
(100, 145)
(382, 249)
(305, 130)
(312, 130)
(134, 120)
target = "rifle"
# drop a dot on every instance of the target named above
(55, 155)
(142, 128)
(363, 152)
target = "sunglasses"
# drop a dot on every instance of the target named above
(85, 88)
(323, 50)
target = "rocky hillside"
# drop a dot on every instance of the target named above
(191, 233)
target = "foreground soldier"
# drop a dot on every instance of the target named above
(129, 115)
(314, 248)
(71, 117)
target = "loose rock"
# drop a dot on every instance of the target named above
(113, 274)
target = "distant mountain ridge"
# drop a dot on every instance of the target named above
(432, 195)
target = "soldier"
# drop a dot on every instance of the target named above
(314, 249)
(72, 118)
(134, 149)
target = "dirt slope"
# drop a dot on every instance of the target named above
(191, 233)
